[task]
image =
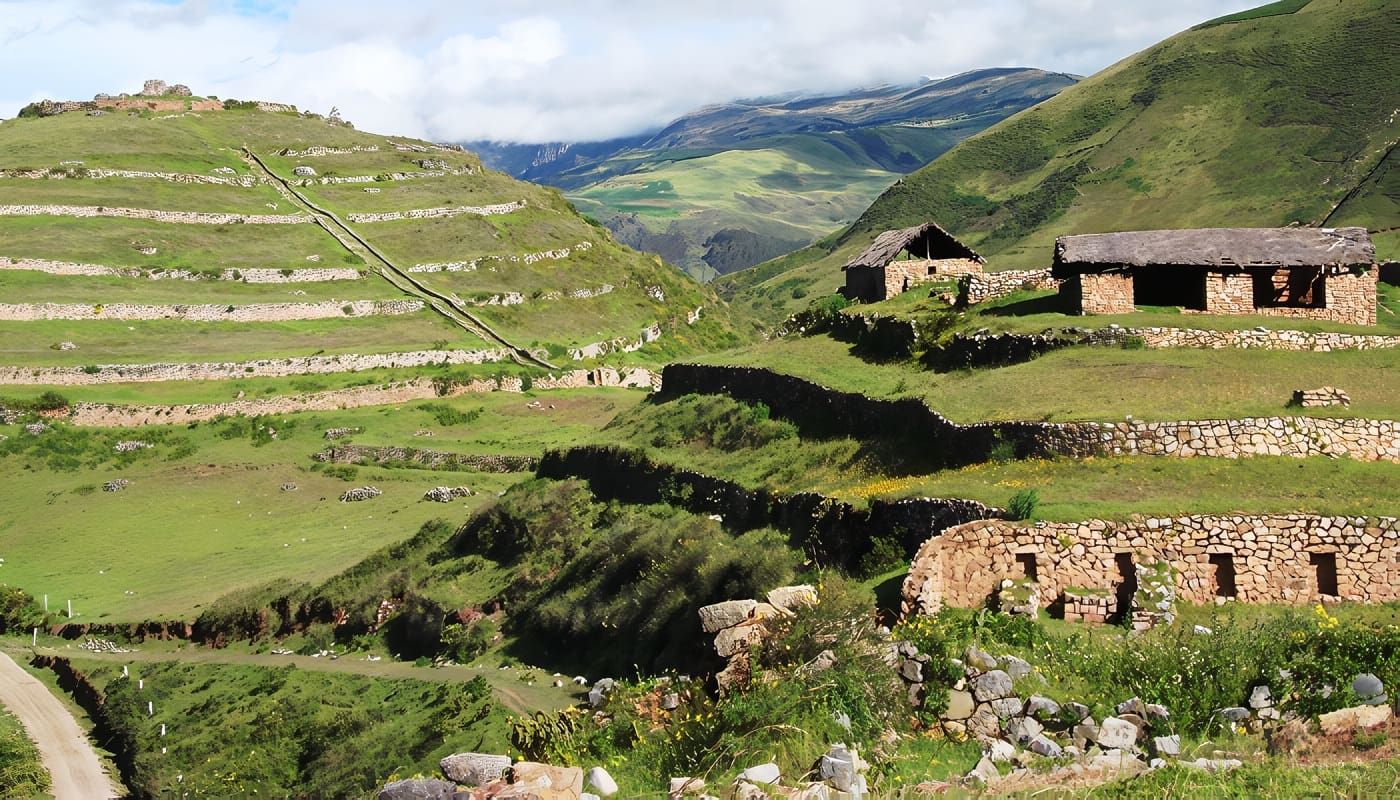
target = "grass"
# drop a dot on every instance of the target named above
(113, 242)
(232, 526)
(148, 341)
(22, 774)
(1101, 384)
(482, 189)
(143, 193)
(700, 433)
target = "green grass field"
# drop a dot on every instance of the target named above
(148, 341)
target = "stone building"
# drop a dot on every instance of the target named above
(900, 259)
(1090, 569)
(1312, 273)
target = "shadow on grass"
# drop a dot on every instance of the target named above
(1046, 304)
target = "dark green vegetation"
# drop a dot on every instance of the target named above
(281, 731)
(22, 776)
(1265, 121)
(732, 185)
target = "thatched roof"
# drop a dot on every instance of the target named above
(926, 240)
(1219, 247)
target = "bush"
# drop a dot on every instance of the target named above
(1023, 504)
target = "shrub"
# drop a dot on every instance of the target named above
(1023, 504)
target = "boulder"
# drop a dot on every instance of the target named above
(791, 598)
(984, 723)
(738, 639)
(842, 769)
(474, 769)
(1042, 746)
(1021, 730)
(680, 787)
(992, 685)
(417, 789)
(960, 705)
(1007, 707)
(1261, 697)
(598, 778)
(717, 617)
(1234, 714)
(979, 659)
(534, 775)
(912, 671)
(1354, 718)
(600, 691)
(1167, 745)
(1015, 667)
(1000, 751)
(761, 773)
(1117, 733)
(985, 772)
(1369, 689)
(1042, 708)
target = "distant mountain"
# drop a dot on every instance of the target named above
(1283, 115)
(734, 184)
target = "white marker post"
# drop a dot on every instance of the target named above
(46, 604)
(35, 641)
(70, 609)
(150, 709)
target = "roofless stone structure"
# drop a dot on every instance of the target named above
(1313, 273)
(930, 253)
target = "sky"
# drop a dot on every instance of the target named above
(550, 70)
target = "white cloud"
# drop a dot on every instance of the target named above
(534, 70)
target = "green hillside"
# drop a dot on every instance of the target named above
(1264, 120)
(734, 184)
(477, 260)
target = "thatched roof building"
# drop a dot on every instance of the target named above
(1316, 273)
(930, 253)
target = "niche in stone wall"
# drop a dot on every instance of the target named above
(1223, 574)
(1026, 563)
(1127, 586)
(1325, 568)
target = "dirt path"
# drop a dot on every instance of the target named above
(67, 755)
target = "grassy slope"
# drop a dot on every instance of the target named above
(1254, 123)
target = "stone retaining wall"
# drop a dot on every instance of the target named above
(382, 177)
(79, 173)
(313, 152)
(107, 415)
(527, 258)
(979, 287)
(184, 217)
(1294, 558)
(252, 312)
(826, 411)
(228, 370)
(437, 213)
(1265, 339)
(426, 459)
(250, 275)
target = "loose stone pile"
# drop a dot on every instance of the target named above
(737, 624)
(341, 433)
(360, 493)
(131, 446)
(96, 645)
(446, 494)
(115, 485)
(1316, 398)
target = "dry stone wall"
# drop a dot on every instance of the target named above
(228, 370)
(252, 312)
(824, 410)
(1257, 338)
(979, 287)
(1293, 558)
(438, 213)
(313, 152)
(183, 217)
(250, 275)
(245, 181)
(427, 459)
(382, 177)
(527, 258)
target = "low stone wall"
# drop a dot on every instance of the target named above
(250, 275)
(228, 370)
(826, 411)
(252, 312)
(313, 152)
(979, 287)
(622, 344)
(183, 217)
(527, 258)
(384, 177)
(107, 415)
(831, 531)
(1259, 339)
(438, 213)
(244, 181)
(1294, 558)
(426, 459)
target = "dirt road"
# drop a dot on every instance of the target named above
(70, 760)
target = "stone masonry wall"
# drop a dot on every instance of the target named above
(1104, 293)
(251, 312)
(228, 370)
(979, 287)
(900, 276)
(1271, 559)
(185, 217)
(527, 258)
(1348, 298)
(245, 181)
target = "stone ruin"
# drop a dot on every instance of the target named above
(115, 485)
(159, 88)
(360, 493)
(1320, 397)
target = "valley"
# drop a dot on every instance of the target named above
(338, 464)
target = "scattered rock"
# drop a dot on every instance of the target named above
(717, 617)
(418, 789)
(599, 779)
(1369, 689)
(360, 493)
(992, 685)
(1117, 733)
(474, 769)
(1167, 745)
(1354, 718)
(600, 691)
(1042, 746)
(762, 773)
(979, 660)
